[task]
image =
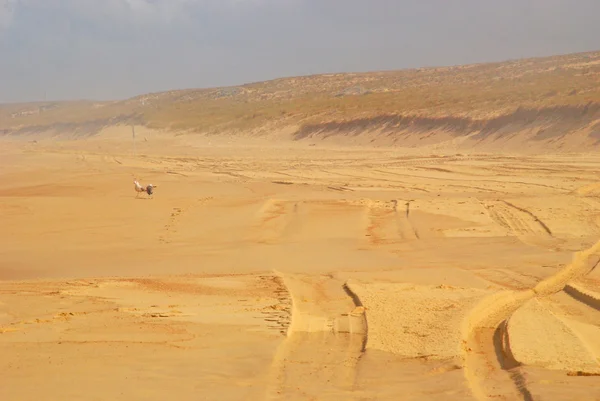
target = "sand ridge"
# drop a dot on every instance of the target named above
(492, 319)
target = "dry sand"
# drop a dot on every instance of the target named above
(278, 271)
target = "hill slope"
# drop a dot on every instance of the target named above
(548, 103)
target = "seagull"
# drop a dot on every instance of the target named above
(149, 189)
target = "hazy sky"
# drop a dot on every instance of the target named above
(113, 49)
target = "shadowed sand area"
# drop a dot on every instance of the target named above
(282, 271)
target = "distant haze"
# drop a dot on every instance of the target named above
(114, 49)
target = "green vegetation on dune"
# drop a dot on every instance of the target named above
(477, 92)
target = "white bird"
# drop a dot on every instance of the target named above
(149, 189)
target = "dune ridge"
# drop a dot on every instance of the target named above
(495, 315)
(549, 103)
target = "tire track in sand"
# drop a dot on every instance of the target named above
(517, 220)
(487, 359)
(325, 341)
(387, 225)
(520, 222)
(274, 220)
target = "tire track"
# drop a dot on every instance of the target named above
(530, 214)
(482, 180)
(378, 216)
(274, 221)
(471, 187)
(508, 279)
(485, 347)
(322, 304)
(519, 221)
(325, 340)
(508, 361)
(405, 225)
(387, 225)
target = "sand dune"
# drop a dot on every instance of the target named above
(527, 106)
(272, 271)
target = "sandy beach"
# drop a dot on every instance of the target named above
(285, 271)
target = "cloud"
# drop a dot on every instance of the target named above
(7, 10)
(148, 11)
(14, 12)
(107, 49)
(130, 11)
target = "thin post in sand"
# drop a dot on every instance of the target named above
(133, 138)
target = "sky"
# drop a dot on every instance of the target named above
(116, 49)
